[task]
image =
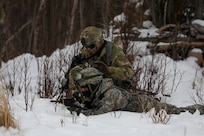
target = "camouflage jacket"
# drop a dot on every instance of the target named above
(119, 70)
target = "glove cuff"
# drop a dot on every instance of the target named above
(111, 70)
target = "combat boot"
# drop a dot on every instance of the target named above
(192, 109)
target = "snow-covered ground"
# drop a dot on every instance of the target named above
(43, 120)
(49, 119)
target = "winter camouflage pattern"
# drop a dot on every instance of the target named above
(88, 76)
(111, 98)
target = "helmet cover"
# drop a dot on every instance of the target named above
(91, 35)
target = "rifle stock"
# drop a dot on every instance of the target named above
(72, 105)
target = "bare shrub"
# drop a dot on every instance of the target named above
(151, 72)
(48, 77)
(51, 71)
(11, 77)
(197, 85)
(17, 80)
(160, 117)
(176, 75)
(25, 85)
(62, 62)
(45, 81)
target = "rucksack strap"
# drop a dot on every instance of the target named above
(109, 46)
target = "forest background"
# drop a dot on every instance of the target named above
(40, 27)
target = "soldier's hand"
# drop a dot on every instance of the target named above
(64, 83)
(87, 112)
(77, 96)
(101, 66)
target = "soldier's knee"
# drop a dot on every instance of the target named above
(115, 98)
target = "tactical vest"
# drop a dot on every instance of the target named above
(123, 84)
(108, 46)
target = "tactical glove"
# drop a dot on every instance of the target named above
(101, 66)
(77, 96)
(64, 83)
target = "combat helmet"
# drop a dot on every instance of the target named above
(91, 36)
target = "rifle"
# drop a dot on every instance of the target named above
(72, 104)
(76, 103)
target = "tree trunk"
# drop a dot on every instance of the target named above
(54, 23)
(38, 28)
(200, 9)
(73, 16)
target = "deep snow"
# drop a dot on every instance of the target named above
(47, 119)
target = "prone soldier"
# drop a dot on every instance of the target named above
(101, 75)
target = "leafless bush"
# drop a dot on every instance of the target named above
(197, 85)
(160, 117)
(17, 80)
(45, 81)
(200, 96)
(25, 84)
(11, 77)
(152, 74)
(51, 71)
(176, 75)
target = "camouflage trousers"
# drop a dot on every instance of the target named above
(111, 98)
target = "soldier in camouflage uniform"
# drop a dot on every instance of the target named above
(100, 78)
(109, 97)
(103, 55)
